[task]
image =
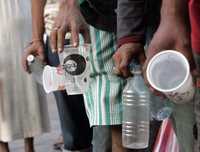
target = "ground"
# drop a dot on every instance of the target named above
(44, 142)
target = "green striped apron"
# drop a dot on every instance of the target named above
(104, 96)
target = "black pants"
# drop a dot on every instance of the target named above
(74, 122)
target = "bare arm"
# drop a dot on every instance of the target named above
(37, 19)
(36, 47)
(173, 32)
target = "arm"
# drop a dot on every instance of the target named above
(173, 32)
(36, 46)
(38, 19)
(130, 34)
(130, 21)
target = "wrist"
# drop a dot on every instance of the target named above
(38, 34)
(36, 41)
(131, 39)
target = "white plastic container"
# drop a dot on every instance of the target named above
(76, 64)
(53, 79)
(169, 73)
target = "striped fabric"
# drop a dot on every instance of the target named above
(166, 140)
(103, 98)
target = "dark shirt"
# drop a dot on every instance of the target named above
(131, 21)
(100, 13)
(125, 17)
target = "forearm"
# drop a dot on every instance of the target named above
(130, 21)
(175, 9)
(38, 27)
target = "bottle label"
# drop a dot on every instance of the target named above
(74, 64)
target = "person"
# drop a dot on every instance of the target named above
(170, 21)
(194, 11)
(76, 131)
(104, 96)
(23, 106)
(156, 23)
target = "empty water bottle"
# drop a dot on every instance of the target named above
(136, 111)
(36, 67)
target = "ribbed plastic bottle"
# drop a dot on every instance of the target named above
(36, 67)
(136, 111)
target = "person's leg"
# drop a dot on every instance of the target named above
(102, 140)
(59, 143)
(183, 121)
(197, 119)
(4, 147)
(77, 134)
(117, 139)
(197, 106)
(29, 144)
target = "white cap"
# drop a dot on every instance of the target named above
(30, 58)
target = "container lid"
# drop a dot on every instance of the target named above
(30, 58)
(135, 67)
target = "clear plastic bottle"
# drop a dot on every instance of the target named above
(36, 67)
(136, 111)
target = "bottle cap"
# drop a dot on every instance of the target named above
(135, 68)
(30, 58)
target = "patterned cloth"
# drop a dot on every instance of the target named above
(166, 140)
(103, 98)
(51, 11)
(23, 106)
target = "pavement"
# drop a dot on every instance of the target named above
(43, 143)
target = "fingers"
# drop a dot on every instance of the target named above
(41, 54)
(75, 35)
(61, 39)
(124, 67)
(117, 61)
(142, 58)
(24, 63)
(86, 35)
(187, 52)
(27, 52)
(53, 40)
(121, 66)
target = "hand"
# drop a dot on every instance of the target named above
(35, 48)
(69, 19)
(124, 55)
(171, 34)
